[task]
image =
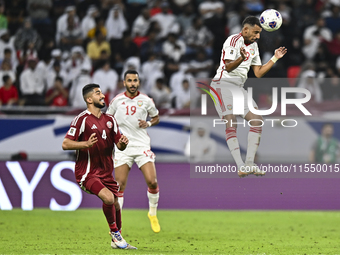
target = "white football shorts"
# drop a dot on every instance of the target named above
(140, 155)
(226, 108)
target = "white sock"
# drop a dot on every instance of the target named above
(254, 137)
(153, 202)
(234, 146)
(121, 199)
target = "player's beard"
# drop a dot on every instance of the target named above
(98, 105)
(132, 93)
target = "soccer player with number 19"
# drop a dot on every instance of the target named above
(131, 109)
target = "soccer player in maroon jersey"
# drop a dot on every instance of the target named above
(93, 134)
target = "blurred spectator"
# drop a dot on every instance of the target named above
(75, 63)
(173, 48)
(62, 24)
(200, 147)
(88, 21)
(55, 72)
(6, 41)
(313, 36)
(183, 96)
(124, 50)
(185, 18)
(7, 70)
(27, 34)
(96, 46)
(57, 95)
(107, 78)
(75, 97)
(330, 84)
(28, 50)
(152, 70)
(71, 36)
(32, 84)
(8, 92)
(334, 45)
(198, 36)
(39, 10)
(132, 63)
(3, 18)
(15, 12)
(211, 8)
(115, 24)
(141, 24)
(100, 25)
(333, 22)
(308, 81)
(9, 56)
(326, 147)
(161, 95)
(165, 19)
(152, 45)
(201, 66)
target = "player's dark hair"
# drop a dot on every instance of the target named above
(251, 20)
(327, 124)
(130, 72)
(89, 87)
(7, 50)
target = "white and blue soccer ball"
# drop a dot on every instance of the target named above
(271, 20)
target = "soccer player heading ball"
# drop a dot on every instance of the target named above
(239, 53)
(131, 109)
(93, 134)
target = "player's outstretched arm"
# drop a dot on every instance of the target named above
(69, 144)
(260, 71)
(145, 124)
(122, 143)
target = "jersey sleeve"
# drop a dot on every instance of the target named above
(151, 108)
(75, 130)
(230, 53)
(112, 108)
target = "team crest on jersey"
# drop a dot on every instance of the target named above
(231, 52)
(252, 51)
(140, 103)
(229, 106)
(109, 124)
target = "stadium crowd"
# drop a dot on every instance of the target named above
(50, 49)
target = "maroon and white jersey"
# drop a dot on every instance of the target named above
(97, 160)
(231, 51)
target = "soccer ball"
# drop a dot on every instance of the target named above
(271, 20)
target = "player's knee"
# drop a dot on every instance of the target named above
(122, 185)
(153, 184)
(108, 199)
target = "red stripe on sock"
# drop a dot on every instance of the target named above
(256, 129)
(230, 133)
(120, 194)
(153, 191)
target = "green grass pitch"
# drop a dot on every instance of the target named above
(85, 231)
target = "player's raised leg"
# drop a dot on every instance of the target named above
(254, 137)
(121, 176)
(233, 143)
(149, 172)
(110, 202)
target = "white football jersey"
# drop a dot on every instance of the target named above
(128, 111)
(231, 51)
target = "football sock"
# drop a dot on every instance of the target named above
(110, 214)
(121, 198)
(119, 219)
(233, 145)
(254, 136)
(153, 196)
